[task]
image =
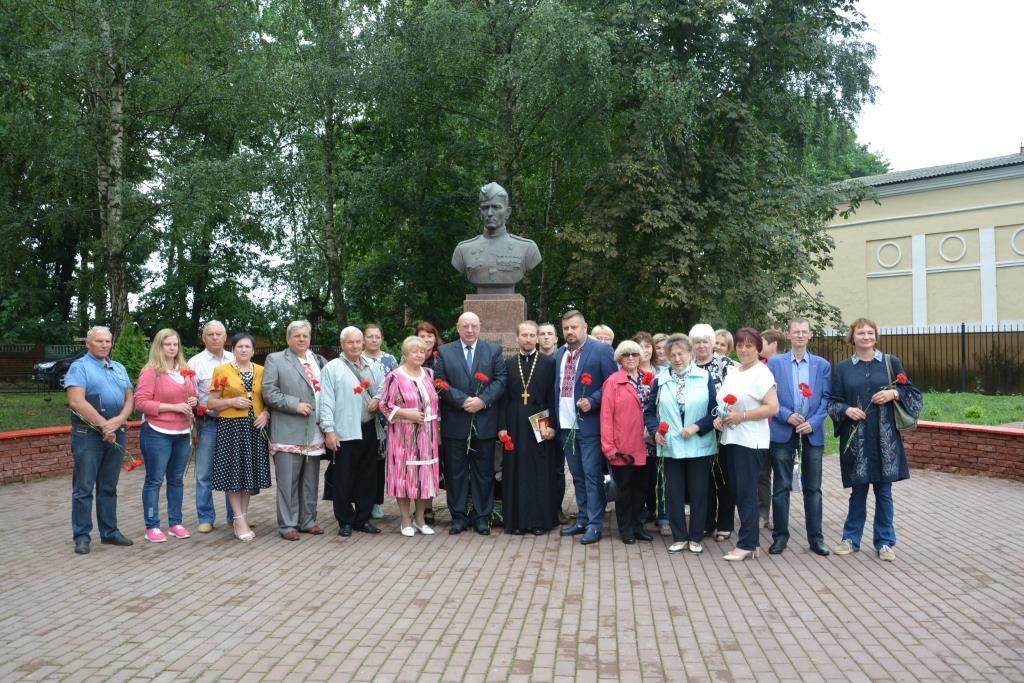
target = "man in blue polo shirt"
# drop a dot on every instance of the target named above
(100, 398)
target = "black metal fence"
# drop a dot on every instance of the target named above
(976, 358)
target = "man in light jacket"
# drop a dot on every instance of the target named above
(349, 400)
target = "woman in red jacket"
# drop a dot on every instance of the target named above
(624, 396)
(166, 396)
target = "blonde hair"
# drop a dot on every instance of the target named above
(157, 360)
(412, 341)
(598, 329)
(627, 346)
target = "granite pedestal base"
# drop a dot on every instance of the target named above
(499, 316)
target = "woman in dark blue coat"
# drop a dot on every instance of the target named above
(864, 389)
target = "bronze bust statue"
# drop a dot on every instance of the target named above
(496, 260)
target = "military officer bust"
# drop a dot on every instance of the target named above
(495, 261)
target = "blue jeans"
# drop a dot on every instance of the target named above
(165, 455)
(744, 471)
(783, 455)
(97, 466)
(586, 466)
(885, 512)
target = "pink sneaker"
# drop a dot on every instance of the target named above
(155, 536)
(178, 531)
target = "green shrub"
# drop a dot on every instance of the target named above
(131, 349)
(974, 412)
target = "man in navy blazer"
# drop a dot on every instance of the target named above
(581, 356)
(470, 405)
(800, 421)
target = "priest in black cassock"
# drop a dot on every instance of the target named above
(530, 470)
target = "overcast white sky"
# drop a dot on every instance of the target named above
(951, 80)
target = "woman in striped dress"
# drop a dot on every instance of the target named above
(409, 402)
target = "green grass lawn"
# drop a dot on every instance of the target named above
(26, 411)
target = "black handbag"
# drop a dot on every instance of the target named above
(611, 490)
(904, 422)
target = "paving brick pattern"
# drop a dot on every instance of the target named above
(472, 608)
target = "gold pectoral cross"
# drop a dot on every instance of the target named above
(525, 395)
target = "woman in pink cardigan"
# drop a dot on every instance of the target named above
(165, 396)
(624, 396)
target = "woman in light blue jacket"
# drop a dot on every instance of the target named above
(681, 419)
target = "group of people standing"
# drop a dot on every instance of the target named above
(683, 430)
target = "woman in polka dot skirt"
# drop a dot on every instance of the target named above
(241, 460)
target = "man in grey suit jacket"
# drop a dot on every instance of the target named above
(291, 382)
(469, 410)
(800, 425)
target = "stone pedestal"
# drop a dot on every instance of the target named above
(499, 316)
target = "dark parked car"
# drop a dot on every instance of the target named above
(52, 372)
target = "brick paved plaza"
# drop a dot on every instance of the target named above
(514, 607)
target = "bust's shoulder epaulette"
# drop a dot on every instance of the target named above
(471, 239)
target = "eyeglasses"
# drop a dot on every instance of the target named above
(630, 354)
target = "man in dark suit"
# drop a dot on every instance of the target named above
(469, 421)
(800, 422)
(581, 439)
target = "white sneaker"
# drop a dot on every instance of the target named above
(425, 529)
(408, 531)
(887, 553)
(845, 547)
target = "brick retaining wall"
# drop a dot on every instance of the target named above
(967, 449)
(36, 453)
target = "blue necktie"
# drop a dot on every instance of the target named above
(469, 359)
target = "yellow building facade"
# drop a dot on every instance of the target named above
(942, 245)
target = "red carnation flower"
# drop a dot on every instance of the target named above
(586, 380)
(648, 378)
(441, 385)
(663, 428)
(356, 389)
(201, 410)
(188, 372)
(729, 399)
(506, 439)
(482, 377)
(365, 384)
(901, 378)
(805, 389)
(434, 354)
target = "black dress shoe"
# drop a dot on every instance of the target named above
(572, 530)
(483, 530)
(642, 535)
(778, 545)
(367, 528)
(538, 531)
(516, 532)
(629, 540)
(117, 538)
(82, 546)
(590, 536)
(456, 529)
(819, 548)
(345, 530)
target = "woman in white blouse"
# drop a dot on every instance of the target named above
(746, 401)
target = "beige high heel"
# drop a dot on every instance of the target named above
(738, 554)
(246, 537)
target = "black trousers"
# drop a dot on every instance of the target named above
(721, 498)
(379, 498)
(466, 474)
(686, 479)
(354, 477)
(631, 480)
